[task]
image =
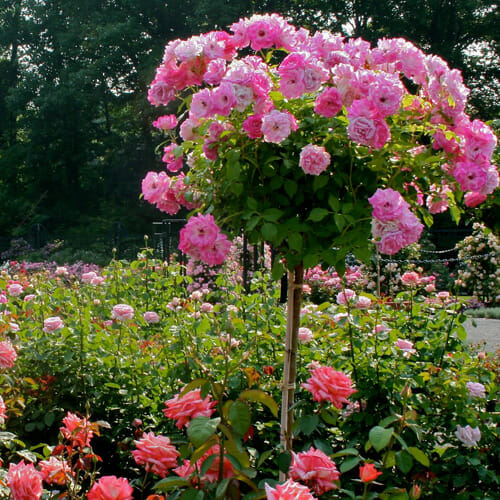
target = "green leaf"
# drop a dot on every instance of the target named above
(308, 424)
(201, 429)
(262, 397)
(419, 456)
(290, 187)
(252, 222)
(193, 494)
(295, 241)
(237, 188)
(222, 487)
(277, 270)
(349, 464)
(233, 170)
(317, 214)
(263, 457)
(334, 203)
(339, 221)
(272, 214)
(380, 437)
(319, 182)
(310, 260)
(404, 461)
(461, 333)
(269, 231)
(170, 482)
(284, 461)
(240, 417)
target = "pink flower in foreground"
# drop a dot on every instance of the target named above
(411, 278)
(156, 453)
(328, 103)
(388, 205)
(24, 481)
(327, 384)
(188, 406)
(15, 289)
(468, 435)
(276, 126)
(122, 312)
(314, 159)
(55, 471)
(166, 122)
(77, 430)
(151, 317)
(473, 199)
(476, 389)
(3, 410)
(314, 469)
(111, 488)
(52, 324)
(200, 231)
(288, 491)
(8, 354)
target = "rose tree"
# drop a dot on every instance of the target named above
(296, 138)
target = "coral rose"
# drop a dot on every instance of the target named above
(24, 481)
(156, 453)
(111, 488)
(8, 354)
(368, 473)
(288, 491)
(188, 406)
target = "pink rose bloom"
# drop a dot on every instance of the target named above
(388, 204)
(386, 94)
(223, 99)
(411, 278)
(186, 130)
(15, 289)
(346, 296)
(188, 406)
(328, 103)
(471, 176)
(201, 105)
(3, 298)
(253, 126)
(14, 326)
(263, 31)
(288, 491)
(431, 287)
(437, 200)
(61, 271)
(3, 411)
(122, 312)
(52, 324)
(327, 384)
(366, 125)
(8, 354)
(200, 231)
(165, 122)
(88, 277)
(277, 126)
(473, 199)
(216, 70)
(305, 335)
(212, 473)
(55, 471)
(160, 93)
(77, 430)
(156, 453)
(363, 302)
(24, 481)
(476, 390)
(151, 317)
(314, 469)
(111, 488)
(207, 307)
(443, 295)
(314, 159)
(406, 346)
(174, 162)
(468, 435)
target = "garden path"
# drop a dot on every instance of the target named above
(487, 331)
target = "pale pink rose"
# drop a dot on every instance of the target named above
(431, 287)
(14, 327)
(111, 488)
(3, 411)
(98, 280)
(207, 307)
(165, 122)
(201, 105)
(443, 295)
(155, 452)
(151, 317)
(88, 277)
(29, 297)
(188, 406)
(476, 389)
(3, 298)
(24, 481)
(363, 302)
(216, 70)
(55, 471)
(170, 157)
(160, 93)
(381, 328)
(305, 335)
(290, 490)
(346, 296)
(187, 129)
(276, 126)
(327, 384)
(411, 278)
(52, 324)
(468, 435)
(328, 103)
(122, 312)
(61, 271)
(223, 99)
(406, 346)
(196, 295)
(15, 289)
(387, 204)
(471, 176)
(314, 159)
(8, 354)
(315, 469)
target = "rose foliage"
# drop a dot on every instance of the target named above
(294, 137)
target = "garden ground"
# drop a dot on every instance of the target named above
(487, 331)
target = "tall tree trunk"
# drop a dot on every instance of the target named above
(295, 282)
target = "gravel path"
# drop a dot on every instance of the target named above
(486, 332)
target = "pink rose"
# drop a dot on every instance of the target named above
(15, 289)
(188, 406)
(290, 490)
(406, 346)
(122, 312)
(328, 103)
(363, 302)
(305, 335)
(52, 324)
(476, 390)
(314, 159)
(3, 411)
(151, 317)
(473, 199)
(24, 481)
(79, 431)
(253, 126)
(88, 277)
(111, 488)
(61, 271)
(166, 122)
(366, 126)
(411, 278)
(468, 435)
(55, 471)
(8, 354)
(160, 93)
(156, 453)
(327, 384)
(387, 204)
(346, 296)
(277, 126)
(314, 469)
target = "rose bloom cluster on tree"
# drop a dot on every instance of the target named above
(326, 106)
